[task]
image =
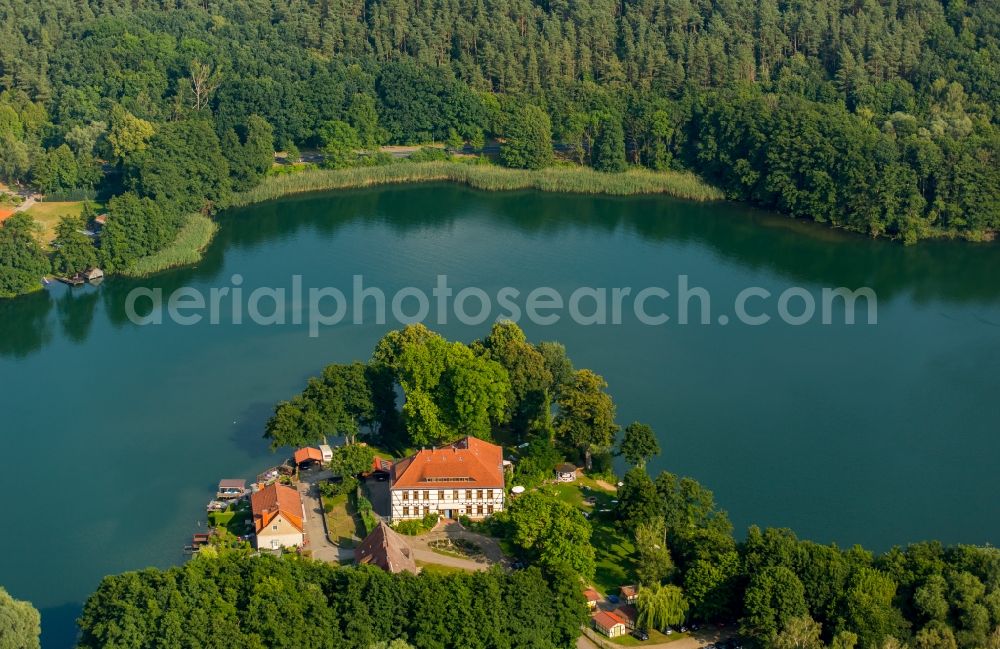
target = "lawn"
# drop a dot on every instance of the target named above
(341, 521)
(437, 569)
(614, 550)
(655, 637)
(47, 215)
(234, 519)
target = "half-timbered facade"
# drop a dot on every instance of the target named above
(462, 479)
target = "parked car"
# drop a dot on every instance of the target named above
(640, 634)
(684, 629)
(668, 631)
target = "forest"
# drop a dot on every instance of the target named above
(875, 116)
(233, 601)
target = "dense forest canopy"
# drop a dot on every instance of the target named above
(232, 601)
(875, 116)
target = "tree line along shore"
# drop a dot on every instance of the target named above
(880, 118)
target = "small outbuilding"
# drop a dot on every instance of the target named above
(381, 469)
(387, 549)
(93, 274)
(629, 594)
(628, 614)
(609, 623)
(231, 489)
(566, 472)
(326, 452)
(593, 597)
(308, 456)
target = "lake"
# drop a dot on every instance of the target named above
(114, 434)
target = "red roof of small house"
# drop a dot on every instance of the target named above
(592, 595)
(276, 499)
(629, 591)
(628, 613)
(308, 453)
(608, 619)
(101, 218)
(469, 462)
(381, 464)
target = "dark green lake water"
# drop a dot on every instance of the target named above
(114, 435)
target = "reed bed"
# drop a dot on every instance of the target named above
(187, 249)
(197, 233)
(578, 180)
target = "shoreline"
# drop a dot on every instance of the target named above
(198, 233)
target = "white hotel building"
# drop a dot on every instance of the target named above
(462, 479)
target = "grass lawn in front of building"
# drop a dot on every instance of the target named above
(614, 550)
(341, 521)
(655, 638)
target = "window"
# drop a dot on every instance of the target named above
(274, 527)
(454, 495)
(479, 509)
(489, 509)
(479, 494)
(406, 495)
(406, 511)
(427, 495)
(468, 494)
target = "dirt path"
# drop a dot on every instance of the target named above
(604, 484)
(26, 205)
(430, 556)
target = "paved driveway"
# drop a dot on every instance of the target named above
(378, 494)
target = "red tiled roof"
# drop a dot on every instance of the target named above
(608, 619)
(380, 464)
(387, 549)
(469, 462)
(592, 595)
(276, 499)
(628, 613)
(308, 453)
(629, 591)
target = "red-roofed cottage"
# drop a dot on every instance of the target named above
(277, 517)
(463, 479)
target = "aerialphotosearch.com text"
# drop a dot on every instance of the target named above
(328, 306)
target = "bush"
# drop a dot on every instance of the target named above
(368, 518)
(429, 154)
(415, 527)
